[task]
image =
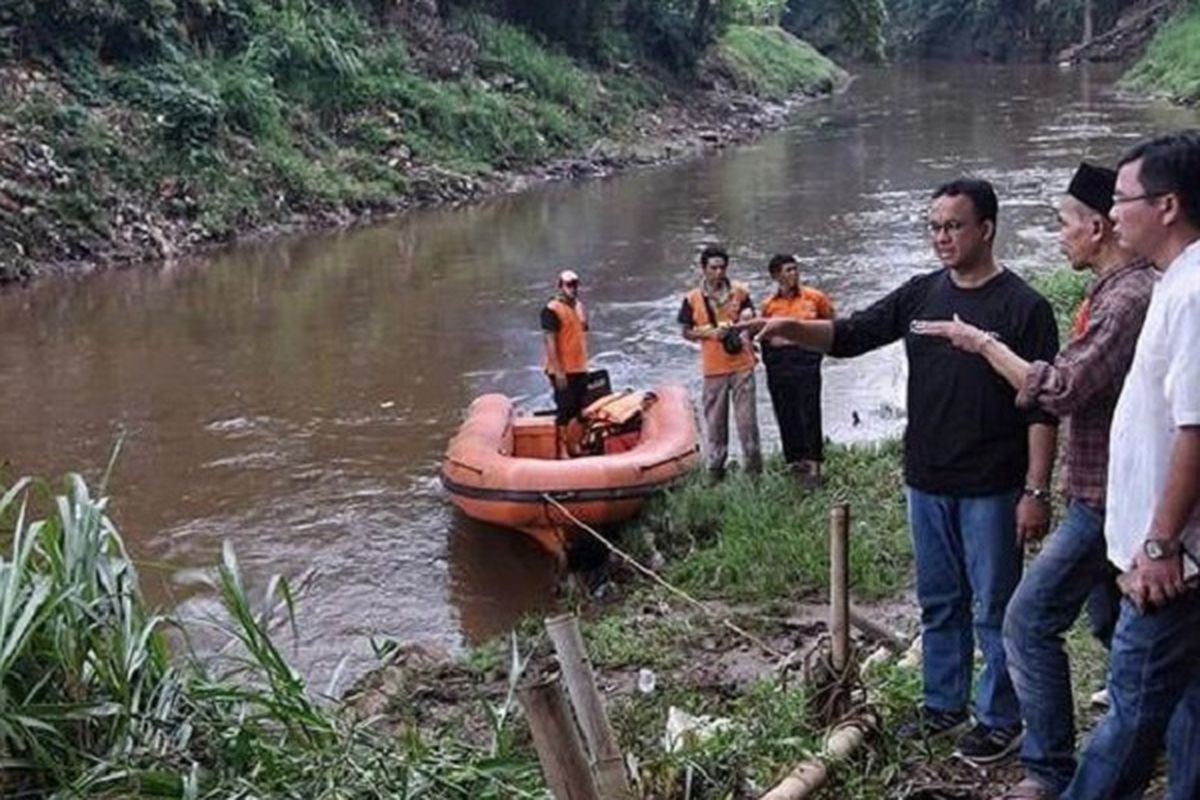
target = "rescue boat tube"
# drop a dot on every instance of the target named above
(489, 483)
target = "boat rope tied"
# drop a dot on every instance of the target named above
(652, 575)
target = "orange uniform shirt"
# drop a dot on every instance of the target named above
(806, 304)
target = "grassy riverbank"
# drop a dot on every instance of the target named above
(1171, 65)
(122, 141)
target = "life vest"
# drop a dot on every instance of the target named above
(713, 358)
(570, 340)
(613, 423)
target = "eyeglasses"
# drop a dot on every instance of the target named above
(571, 284)
(949, 226)
(1118, 199)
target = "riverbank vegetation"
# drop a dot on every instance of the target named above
(131, 131)
(1171, 65)
(993, 30)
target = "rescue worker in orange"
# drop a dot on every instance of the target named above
(564, 332)
(794, 371)
(726, 359)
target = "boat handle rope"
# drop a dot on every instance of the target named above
(649, 573)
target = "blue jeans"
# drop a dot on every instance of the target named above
(1072, 565)
(1154, 692)
(968, 563)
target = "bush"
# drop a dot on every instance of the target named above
(664, 31)
(1171, 65)
(128, 31)
(91, 703)
(773, 63)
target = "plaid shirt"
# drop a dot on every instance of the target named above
(1085, 379)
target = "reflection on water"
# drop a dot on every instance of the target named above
(294, 397)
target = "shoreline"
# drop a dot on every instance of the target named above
(672, 133)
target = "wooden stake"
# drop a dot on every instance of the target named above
(556, 739)
(612, 781)
(839, 585)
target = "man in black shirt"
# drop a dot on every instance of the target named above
(977, 469)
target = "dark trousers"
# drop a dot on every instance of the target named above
(568, 402)
(796, 398)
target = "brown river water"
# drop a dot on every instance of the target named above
(294, 397)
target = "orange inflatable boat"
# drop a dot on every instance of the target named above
(500, 466)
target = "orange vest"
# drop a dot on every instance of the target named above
(713, 358)
(570, 340)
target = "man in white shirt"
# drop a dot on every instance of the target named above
(1152, 527)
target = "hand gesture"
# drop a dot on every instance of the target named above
(962, 335)
(752, 326)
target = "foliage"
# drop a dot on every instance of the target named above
(999, 30)
(753, 12)
(672, 33)
(757, 540)
(1171, 65)
(91, 703)
(772, 63)
(1065, 289)
(851, 28)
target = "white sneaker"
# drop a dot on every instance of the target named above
(1099, 699)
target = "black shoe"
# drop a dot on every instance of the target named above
(929, 723)
(984, 744)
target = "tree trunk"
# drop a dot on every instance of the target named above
(1089, 21)
(701, 20)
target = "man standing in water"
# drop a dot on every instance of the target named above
(794, 372)
(726, 359)
(977, 470)
(1153, 523)
(1082, 384)
(564, 332)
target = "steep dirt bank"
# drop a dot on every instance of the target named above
(63, 214)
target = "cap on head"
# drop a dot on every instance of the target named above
(1093, 186)
(568, 276)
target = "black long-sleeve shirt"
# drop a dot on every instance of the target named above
(965, 434)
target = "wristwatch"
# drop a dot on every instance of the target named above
(1160, 549)
(1041, 495)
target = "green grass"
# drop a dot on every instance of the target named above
(94, 703)
(1171, 65)
(754, 541)
(770, 62)
(303, 112)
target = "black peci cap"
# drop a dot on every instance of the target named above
(1093, 186)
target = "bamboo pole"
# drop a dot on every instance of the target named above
(608, 766)
(839, 585)
(809, 776)
(556, 739)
